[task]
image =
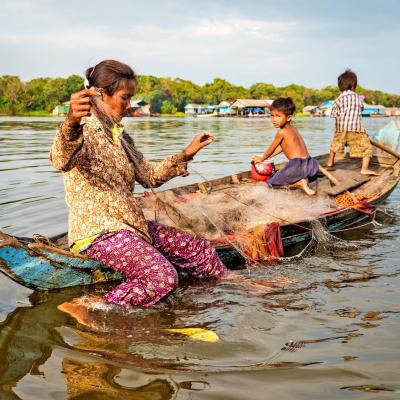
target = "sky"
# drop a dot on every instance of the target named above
(307, 42)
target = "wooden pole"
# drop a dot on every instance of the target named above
(329, 176)
(385, 148)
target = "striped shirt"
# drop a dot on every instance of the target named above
(347, 111)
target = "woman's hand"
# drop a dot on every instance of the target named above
(202, 139)
(79, 105)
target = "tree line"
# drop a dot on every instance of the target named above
(167, 95)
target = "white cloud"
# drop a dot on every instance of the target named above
(235, 42)
(239, 27)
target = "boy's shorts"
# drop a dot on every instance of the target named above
(295, 170)
(358, 142)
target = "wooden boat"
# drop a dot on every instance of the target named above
(44, 264)
(207, 115)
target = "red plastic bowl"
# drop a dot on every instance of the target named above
(262, 171)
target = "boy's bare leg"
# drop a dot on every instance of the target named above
(331, 160)
(303, 184)
(364, 167)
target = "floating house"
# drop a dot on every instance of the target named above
(61, 110)
(224, 109)
(194, 109)
(373, 110)
(251, 107)
(139, 108)
(326, 108)
(313, 111)
(200, 109)
(392, 111)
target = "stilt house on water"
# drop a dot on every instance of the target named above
(313, 111)
(251, 107)
(194, 109)
(61, 110)
(371, 110)
(139, 108)
(224, 109)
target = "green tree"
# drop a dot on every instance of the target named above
(167, 107)
(220, 89)
(168, 95)
(13, 95)
(262, 90)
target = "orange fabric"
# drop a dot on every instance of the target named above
(262, 243)
(361, 204)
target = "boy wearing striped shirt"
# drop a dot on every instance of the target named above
(349, 131)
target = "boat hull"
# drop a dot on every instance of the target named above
(44, 266)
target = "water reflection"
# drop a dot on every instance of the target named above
(336, 323)
(89, 380)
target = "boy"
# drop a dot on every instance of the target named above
(348, 128)
(301, 168)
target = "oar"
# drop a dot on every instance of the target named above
(329, 176)
(385, 148)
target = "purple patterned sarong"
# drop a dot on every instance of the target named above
(149, 268)
(295, 170)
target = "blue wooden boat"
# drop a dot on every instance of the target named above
(42, 263)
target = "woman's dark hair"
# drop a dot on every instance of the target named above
(284, 104)
(347, 80)
(110, 75)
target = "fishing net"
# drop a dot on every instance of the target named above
(235, 210)
(245, 216)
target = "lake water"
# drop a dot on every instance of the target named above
(341, 312)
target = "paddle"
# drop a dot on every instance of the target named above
(385, 148)
(329, 175)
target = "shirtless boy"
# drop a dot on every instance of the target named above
(301, 168)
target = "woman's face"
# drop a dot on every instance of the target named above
(119, 102)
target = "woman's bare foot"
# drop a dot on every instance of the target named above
(368, 172)
(303, 184)
(80, 308)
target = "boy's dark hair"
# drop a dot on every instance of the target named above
(110, 75)
(284, 104)
(347, 81)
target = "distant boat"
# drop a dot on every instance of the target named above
(207, 115)
(379, 115)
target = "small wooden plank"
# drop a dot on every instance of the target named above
(347, 184)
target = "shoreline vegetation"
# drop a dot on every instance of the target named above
(166, 96)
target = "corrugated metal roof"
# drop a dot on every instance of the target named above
(192, 105)
(138, 103)
(309, 108)
(241, 103)
(224, 103)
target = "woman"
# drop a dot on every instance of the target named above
(101, 163)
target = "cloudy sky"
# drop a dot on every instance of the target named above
(307, 42)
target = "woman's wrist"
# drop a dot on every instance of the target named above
(188, 154)
(71, 128)
(71, 121)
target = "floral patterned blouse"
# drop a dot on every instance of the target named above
(99, 179)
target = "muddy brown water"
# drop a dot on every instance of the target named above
(332, 333)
